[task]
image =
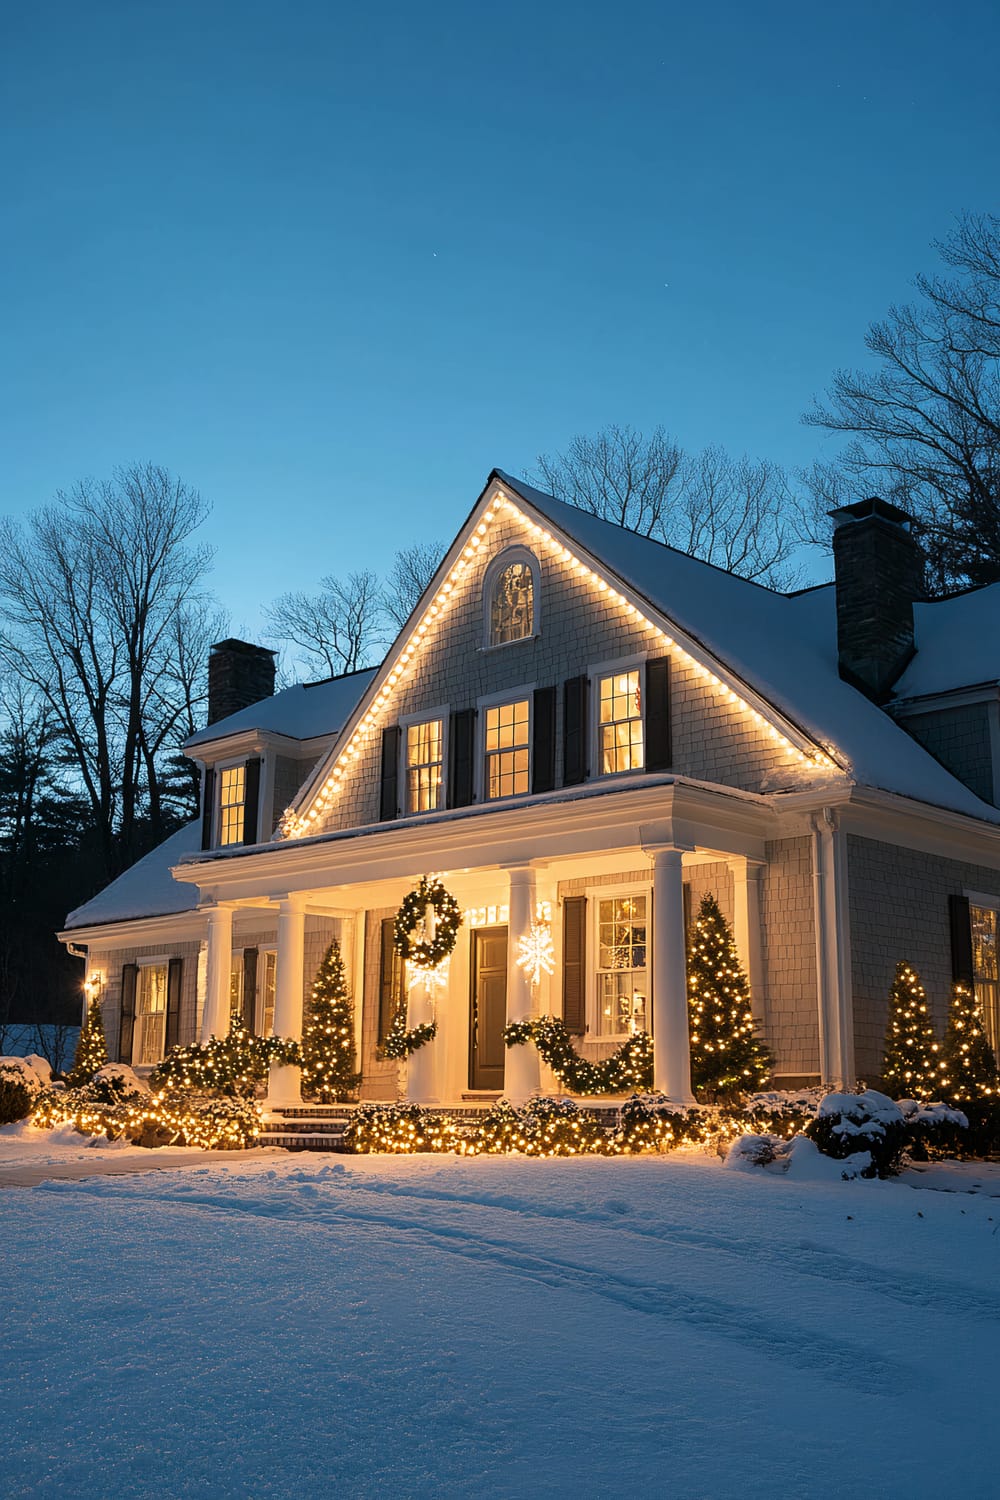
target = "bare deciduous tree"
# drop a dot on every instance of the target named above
(411, 572)
(736, 513)
(337, 630)
(925, 424)
(92, 592)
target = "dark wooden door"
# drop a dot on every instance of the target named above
(489, 1007)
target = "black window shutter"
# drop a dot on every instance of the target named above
(175, 970)
(461, 755)
(250, 989)
(251, 801)
(126, 1027)
(575, 964)
(208, 811)
(574, 731)
(962, 969)
(543, 750)
(392, 987)
(389, 798)
(659, 751)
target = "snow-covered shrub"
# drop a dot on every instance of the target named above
(18, 1087)
(778, 1112)
(19, 1070)
(40, 1067)
(400, 1128)
(649, 1122)
(121, 1108)
(932, 1130)
(233, 1065)
(755, 1151)
(849, 1124)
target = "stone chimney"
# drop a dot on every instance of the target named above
(238, 674)
(878, 567)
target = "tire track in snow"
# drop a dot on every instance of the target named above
(856, 1366)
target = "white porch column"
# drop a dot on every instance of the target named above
(833, 950)
(218, 975)
(422, 1065)
(746, 927)
(522, 1073)
(671, 1048)
(285, 1080)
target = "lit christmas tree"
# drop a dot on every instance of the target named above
(328, 1053)
(91, 1048)
(913, 1067)
(727, 1056)
(970, 1065)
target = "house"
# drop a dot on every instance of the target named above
(581, 729)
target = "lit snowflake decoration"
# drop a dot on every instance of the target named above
(536, 954)
(434, 979)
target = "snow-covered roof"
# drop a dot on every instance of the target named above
(784, 646)
(146, 890)
(958, 644)
(301, 712)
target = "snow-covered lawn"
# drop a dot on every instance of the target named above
(327, 1327)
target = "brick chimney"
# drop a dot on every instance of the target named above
(879, 568)
(238, 674)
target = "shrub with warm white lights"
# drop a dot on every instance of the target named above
(329, 1057)
(91, 1048)
(727, 1055)
(969, 1062)
(913, 1066)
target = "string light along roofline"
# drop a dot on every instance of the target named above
(318, 799)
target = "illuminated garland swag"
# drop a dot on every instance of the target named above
(630, 1067)
(421, 952)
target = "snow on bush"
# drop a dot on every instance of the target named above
(850, 1124)
(40, 1067)
(19, 1087)
(933, 1129)
(20, 1070)
(754, 1151)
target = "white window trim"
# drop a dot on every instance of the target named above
(151, 961)
(229, 765)
(494, 700)
(503, 560)
(402, 779)
(594, 894)
(594, 675)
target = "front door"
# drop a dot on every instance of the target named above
(489, 1007)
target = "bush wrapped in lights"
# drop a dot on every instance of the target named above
(120, 1111)
(400, 1128)
(234, 1065)
(653, 1123)
(91, 1048)
(630, 1067)
(542, 1127)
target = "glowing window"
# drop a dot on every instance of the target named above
(232, 795)
(424, 765)
(622, 983)
(986, 968)
(268, 988)
(620, 722)
(507, 731)
(512, 604)
(150, 1031)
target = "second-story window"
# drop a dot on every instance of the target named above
(620, 721)
(508, 726)
(232, 795)
(424, 765)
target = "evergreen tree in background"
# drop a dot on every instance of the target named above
(328, 1055)
(727, 1056)
(913, 1067)
(91, 1048)
(970, 1065)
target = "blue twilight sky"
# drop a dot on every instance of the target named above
(332, 262)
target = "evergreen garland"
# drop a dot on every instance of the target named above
(970, 1065)
(232, 1065)
(400, 1042)
(329, 1061)
(631, 1066)
(422, 952)
(913, 1067)
(91, 1048)
(727, 1056)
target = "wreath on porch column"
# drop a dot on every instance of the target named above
(424, 935)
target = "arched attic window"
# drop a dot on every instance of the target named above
(511, 597)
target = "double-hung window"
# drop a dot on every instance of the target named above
(619, 721)
(507, 740)
(986, 966)
(424, 765)
(232, 797)
(622, 980)
(149, 1036)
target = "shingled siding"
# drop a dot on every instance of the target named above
(899, 910)
(289, 774)
(960, 739)
(791, 1027)
(579, 627)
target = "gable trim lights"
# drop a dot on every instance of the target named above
(296, 825)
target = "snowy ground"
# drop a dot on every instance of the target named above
(325, 1327)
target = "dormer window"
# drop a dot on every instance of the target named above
(232, 800)
(512, 598)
